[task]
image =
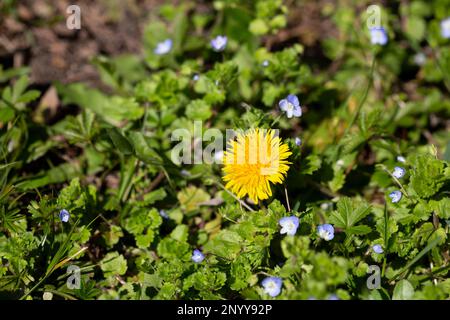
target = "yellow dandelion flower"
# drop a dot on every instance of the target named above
(252, 161)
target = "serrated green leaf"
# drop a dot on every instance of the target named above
(349, 214)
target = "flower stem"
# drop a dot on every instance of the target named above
(364, 97)
(234, 196)
(287, 199)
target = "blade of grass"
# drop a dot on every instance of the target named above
(386, 237)
(430, 246)
(57, 257)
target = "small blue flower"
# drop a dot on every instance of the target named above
(265, 63)
(377, 248)
(163, 47)
(333, 297)
(398, 172)
(64, 215)
(185, 173)
(272, 286)
(326, 231)
(445, 28)
(378, 36)
(197, 256)
(395, 196)
(289, 225)
(420, 59)
(298, 141)
(401, 159)
(163, 214)
(291, 106)
(196, 77)
(219, 43)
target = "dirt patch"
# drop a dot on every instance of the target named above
(35, 34)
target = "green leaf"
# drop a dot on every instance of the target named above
(28, 96)
(19, 88)
(258, 27)
(113, 109)
(143, 224)
(112, 236)
(113, 264)
(311, 164)
(428, 175)
(191, 198)
(348, 214)
(141, 219)
(226, 244)
(180, 233)
(441, 207)
(142, 149)
(415, 28)
(120, 142)
(403, 290)
(430, 246)
(338, 179)
(359, 230)
(198, 110)
(61, 173)
(152, 197)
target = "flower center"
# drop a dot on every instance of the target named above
(290, 225)
(290, 106)
(446, 25)
(324, 234)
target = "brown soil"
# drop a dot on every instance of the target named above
(36, 35)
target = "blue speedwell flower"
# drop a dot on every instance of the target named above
(196, 77)
(265, 63)
(163, 47)
(333, 297)
(378, 36)
(398, 172)
(197, 256)
(326, 231)
(377, 248)
(185, 173)
(163, 214)
(219, 43)
(289, 225)
(291, 106)
(272, 286)
(445, 28)
(401, 159)
(64, 215)
(298, 141)
(395, 196)
(420, 59)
